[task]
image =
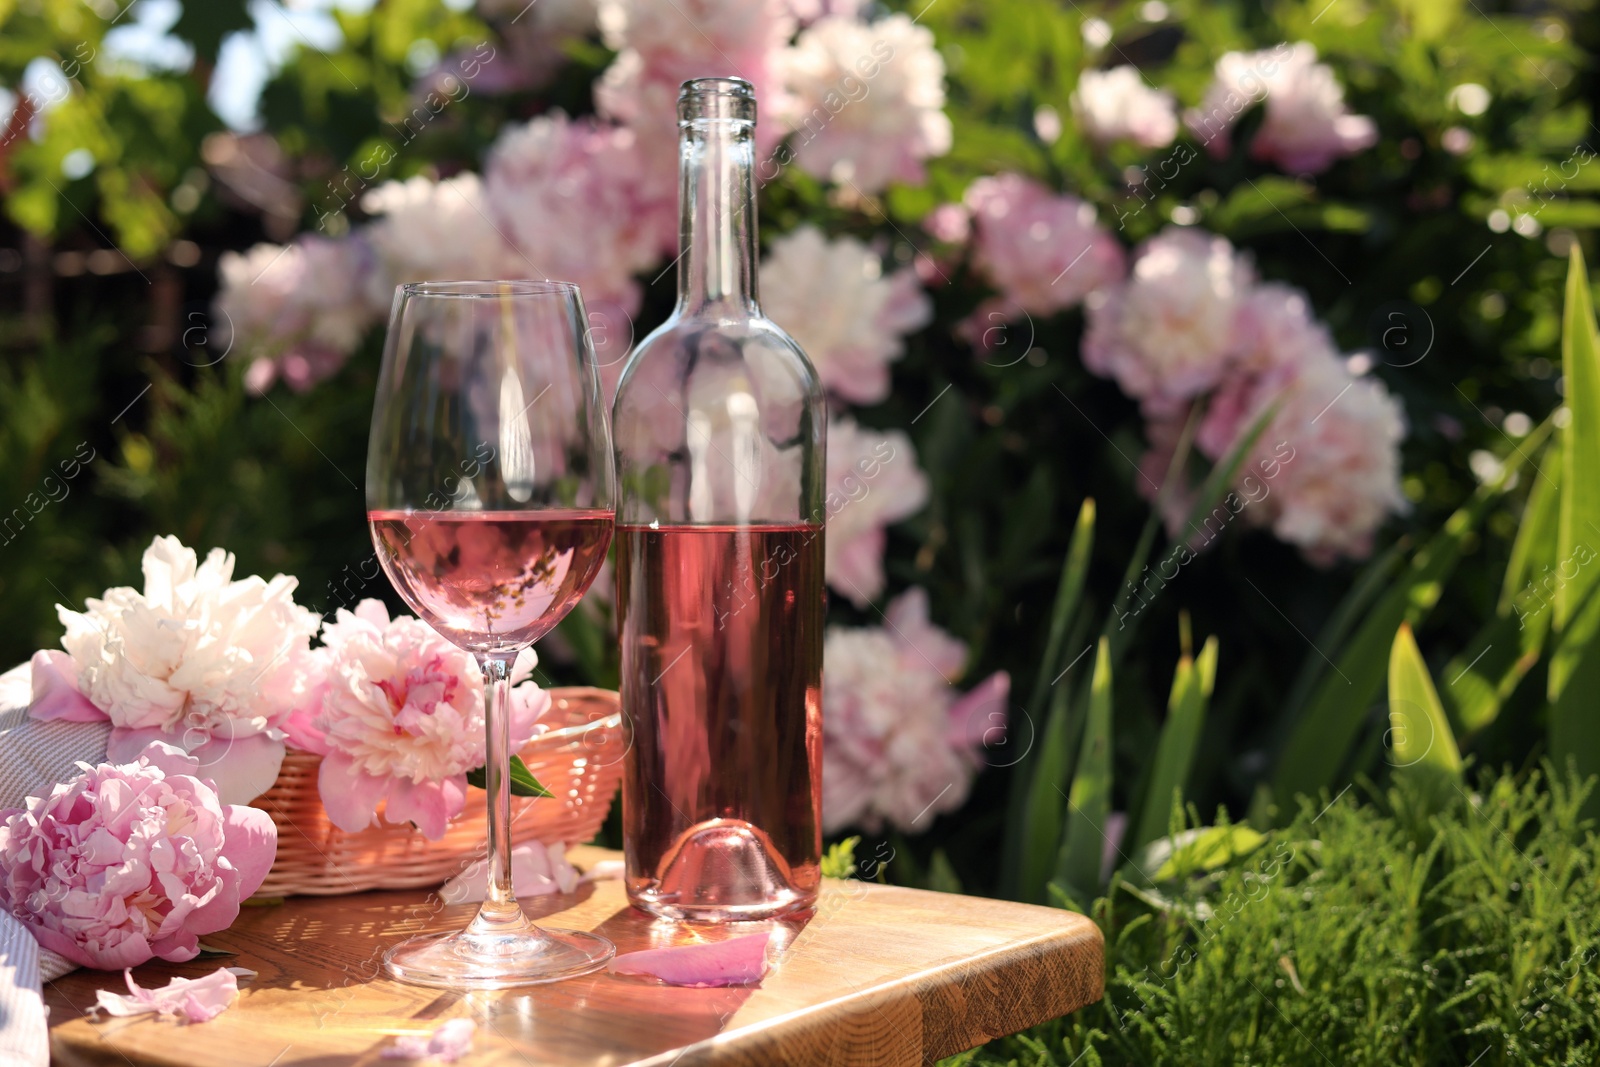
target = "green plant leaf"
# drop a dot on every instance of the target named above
(1192, 686)
(1089, 802)
(1321, 739)
(1482, 677)
(1195, 851)
(523, 783)
(1421, 745)
(840, 859)
(1021, 805)
(1578, 529)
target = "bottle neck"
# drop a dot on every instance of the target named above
(717, 218)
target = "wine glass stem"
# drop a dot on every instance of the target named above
(500, 906)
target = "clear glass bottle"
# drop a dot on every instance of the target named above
(721, 428)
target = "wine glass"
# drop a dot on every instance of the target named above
(490, 495)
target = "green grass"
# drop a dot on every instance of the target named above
(1366, 933)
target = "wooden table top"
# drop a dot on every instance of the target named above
(876, 976)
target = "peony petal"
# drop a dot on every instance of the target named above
(737, 961)
(349, 797)
(448, 1043)
(126, 744)
(536, 870)
(55, 690)
(195, 999)
(170, 758)
(242, 768)
(522, 668)
(978, 720)
(430, 805)
(250, 843)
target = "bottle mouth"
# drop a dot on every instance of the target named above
(702, 99)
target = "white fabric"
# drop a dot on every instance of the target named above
(33, 757)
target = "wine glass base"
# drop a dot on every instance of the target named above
(472, 960)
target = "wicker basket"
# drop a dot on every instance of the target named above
(579, 760)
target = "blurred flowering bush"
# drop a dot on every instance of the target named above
(1033, 250)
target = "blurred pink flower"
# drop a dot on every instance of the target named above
(1169, 332)
(873, 482)
(433, 230)
(809, 11)
(536, 869)
(900, 743)
(1043, 252)
(1325, 473)
(865, 102)
(1307, 125)
(833, 298)
(663, 43)
(128, 862)
(566, 194)
(197, 660)
(295, 312)
(399, 720)
(198, 1000)
(1116, 105)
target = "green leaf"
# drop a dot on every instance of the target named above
(1421, 745)
(1192, 686)
(1032, 798)
(942, 877)
(210, 952)
(1482, 677)
(1195, 851)
(205, 24)
(523, 783)
(1578, 529)
(1321, 740)
(840, 859)
(1574, 716)
(1089, 802)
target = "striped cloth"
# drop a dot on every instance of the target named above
(33, 757)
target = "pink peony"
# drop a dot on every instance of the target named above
(567, 194)
(1325, 473)
(399, 720)
(899, 743)
(873, 482)
(1307, 125)
(1042, 251)
(1116, 105)
(865, 102)
(196, 660)
(702, 964)
(1169, 333)
(128, 862)
(295, 312)
(663, 43)
(833, 298)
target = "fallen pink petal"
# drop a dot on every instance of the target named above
(536, 869)
(447, 1044)
(196, 1000)
(737, 961)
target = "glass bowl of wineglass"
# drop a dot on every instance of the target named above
(490, 496)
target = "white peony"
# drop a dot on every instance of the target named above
(873, 482)
(1116, 105)
(432, 231)
(196, 660)
(865, 102)
(833, 298)
(1169, 332)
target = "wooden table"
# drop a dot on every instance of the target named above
(877, 975)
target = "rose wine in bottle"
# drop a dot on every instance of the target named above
(720, 428)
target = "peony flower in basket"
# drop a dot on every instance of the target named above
(197, 661)
(398, 720)
(131, 861)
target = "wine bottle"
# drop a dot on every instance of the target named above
(720, 426)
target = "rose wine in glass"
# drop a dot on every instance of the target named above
(490, 496)
(721, 429)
